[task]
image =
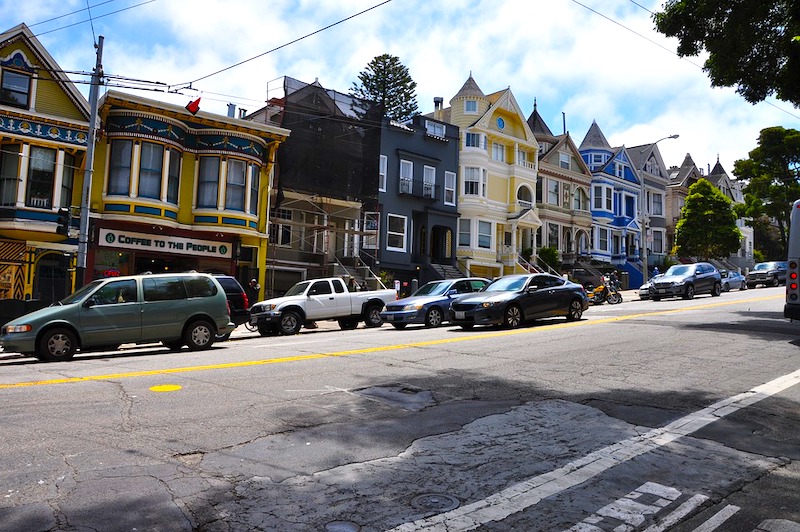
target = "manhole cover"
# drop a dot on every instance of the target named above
(342, 526)
(435, 502)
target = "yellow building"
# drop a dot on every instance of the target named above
(498, 162)
(175, 191)
(44, 124)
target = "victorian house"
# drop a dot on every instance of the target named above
(497, 174)
(412, 232)
(44, 124)
(175, 191)
(562, 194)
(732, 189)
(680, 179)
(616, 190)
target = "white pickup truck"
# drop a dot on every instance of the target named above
(317, 300)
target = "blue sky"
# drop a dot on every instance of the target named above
(589, 59)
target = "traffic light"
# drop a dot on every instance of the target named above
(64, 216)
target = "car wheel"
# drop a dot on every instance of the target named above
(726, 287)
(776, 282)
(399, 326)
(199, 335)
(266, 331)
(512, 317)
(716, 290)
(57, 344)
(348, 324)
(434, 317)
(575, 310)
(743, 286)
(654, 298)
(373, 317)
(290, 323)
(689, 294)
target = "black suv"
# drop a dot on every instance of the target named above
(767, 273)
(237, 299)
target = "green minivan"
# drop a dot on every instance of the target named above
(175, 309)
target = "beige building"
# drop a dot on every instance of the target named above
(498, 161)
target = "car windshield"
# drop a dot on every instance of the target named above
(506, 284)
(763, 266)
(679, 270)
(434, 288)
(81, 292)
(299, 288)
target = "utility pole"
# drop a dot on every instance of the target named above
(83, 235)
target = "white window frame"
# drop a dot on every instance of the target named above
(482, 226)
(657, 204)
(604, 201)
(465, 232)
(564, 160)
(449, 188)
(383, 165)
(600, 232)
(391, 233)
(479, 180)
(406, 182)
(473, 140)
(619, 169)
(429, 182)
(470, 107)
(659, 238)
(437, 129)
(553, 192)
(282, 233)
(372, 224)
(498, 152)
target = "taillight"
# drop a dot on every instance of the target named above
(246, 301)
(228, 304)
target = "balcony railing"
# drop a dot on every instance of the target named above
(418, 188)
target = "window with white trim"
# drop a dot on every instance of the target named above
(406, 176)
(657, 246)
(174, 175)
(657, 201)
(429, 182)
(473, 140)
(553, 192)
(498, 152)
(208, 182)
(471, 106)
(9, 173)
(281, 233)
(395, 232)
(603, 197)
(67, 180)
(119, 172)
(449, 188)
(151, 160)
(474, 181)
(619, 169)
(602, 239)
(372, 221)
(484, 234)
(564, 160)
(383, 165)
(465, 232)
(235, 185)
(436, 129)
(553, 232)
(41, 177)
(15, 88)
(255, 176)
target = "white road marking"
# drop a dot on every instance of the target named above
(680, 512)
(528, 493)
(721, 516)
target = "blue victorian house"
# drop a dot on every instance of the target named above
(615, 192)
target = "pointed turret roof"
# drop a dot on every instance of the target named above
(538, 125)
(594, 139)
(470, 89)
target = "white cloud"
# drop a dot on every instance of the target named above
(574, 61)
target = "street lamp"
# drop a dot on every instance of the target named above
(645, 216)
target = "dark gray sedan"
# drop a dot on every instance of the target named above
(513, 299)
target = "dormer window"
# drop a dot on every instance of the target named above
(15, 88)
(471, 106)
(434, 128)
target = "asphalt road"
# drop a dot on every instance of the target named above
(670, 415)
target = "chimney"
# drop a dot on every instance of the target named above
(438, 103)
(231, 110)
(242, 113)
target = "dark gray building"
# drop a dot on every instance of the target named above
(411, 232)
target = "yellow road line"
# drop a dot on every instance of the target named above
(316, 356)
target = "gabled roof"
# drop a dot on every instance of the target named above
(504, 99)
(595, 139)
(639, 155)
(22, 32)
(686, 174)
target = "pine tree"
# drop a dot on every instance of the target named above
(386, 84)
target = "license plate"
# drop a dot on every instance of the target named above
(662, 290)
(460, 315)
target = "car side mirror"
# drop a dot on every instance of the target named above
(452, 292)
(90, 302)
(533, 288)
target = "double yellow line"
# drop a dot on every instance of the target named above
(317, 356)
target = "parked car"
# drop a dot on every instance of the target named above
(320, 299)
(237, 299)
(767, 273)
(175, 309)
(430, 304)
(732, 280)
(644, 290)
(687, 280)
(514, 299)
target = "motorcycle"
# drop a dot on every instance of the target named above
(607, 291)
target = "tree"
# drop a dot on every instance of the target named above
(773, 175)
(751, 44)
(387, 85)
(707, 227)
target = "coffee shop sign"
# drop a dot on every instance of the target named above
(165, 244)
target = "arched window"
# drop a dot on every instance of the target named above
(524, 197)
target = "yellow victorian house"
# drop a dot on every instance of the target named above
(498, 161)
(44, 125)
